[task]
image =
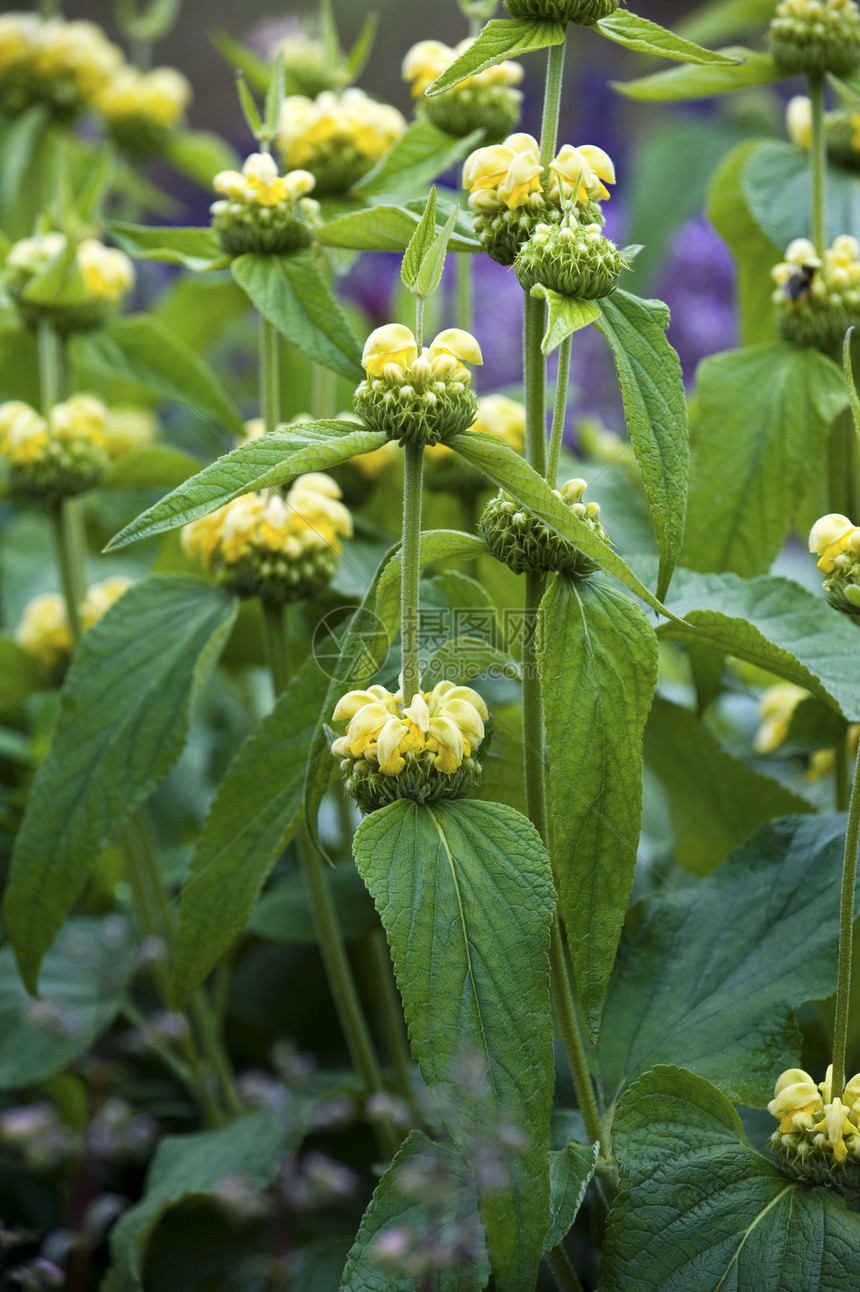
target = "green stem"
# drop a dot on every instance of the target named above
(534, 381)
(410, 557)
(70, 563)
(393, 1026)
(818, 163)
(846, 937)
(571, 1037)
(559, 411)
(535, 780)
(270, 396)
(275, 644)
(551, 106)
(464, 291)
(562, 1270)
(419, 323)
(840, 774)
(52, 366)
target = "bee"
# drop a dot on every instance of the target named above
(799, 282)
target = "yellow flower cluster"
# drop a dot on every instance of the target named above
(818, 300)
(44, 630)
(814, 1122)
(58, 455)
(835, 540)
(259, 184)
(486, 100)
(159, 97)
(448, 722)
(261, 210)
(64, 64)
(107, 273)
(426, 61)
(338, 137)
(264, 545)
(391, 354)
(129, 427)
(510, 175)
(776, 710)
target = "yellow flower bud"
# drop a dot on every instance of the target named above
(798, 121)
(392, 343)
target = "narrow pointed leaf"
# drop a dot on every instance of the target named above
(275, 95)
(256, 810)
(465, 893)
(292, 294)
(565, 315)
(433, 263)
(112, 745)
(273, 460)
(249, 108)
(717, 1213)
(361, 50)
(501, 38)
(421, 154)
(655, 407)
(646, 37)
(420, 243)
(696, 81)
(598, 663)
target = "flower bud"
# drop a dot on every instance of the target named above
(142, 109)
(54, 457)
(813, 37)
(574, 260)
(524, 543)
(583, 12)
(337, 137)
(262, 545)
(818, 300)
(417, 399)
(837, 543)
(423, 751)
(95, 282)
(487, 101)
(44, 630)
(262, 211)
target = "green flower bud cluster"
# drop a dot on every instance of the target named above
(524, 543)
(583, 12)
(487, 101)
(420, 782)
(262, 211)
(54, 457)
(818, 300)
(574, 259)
(75, 288)
(813, 37)
(501, 233)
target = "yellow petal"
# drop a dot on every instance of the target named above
(462, 345)
(392, 343)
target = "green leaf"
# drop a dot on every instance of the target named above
(510, 472)
(18, 152)
(465, 893)
(149, 24)
(393, 1209)
(186, 1168)
(436, 545)
(762, 415)
(566, 315)
(200, 154)
(156, 466)
(728, 212)
(275, 94)
(292, 294)
(283, 914)
(382, 228)
(250, 111)
(775, 184)
(646, 37)
(121, 725)
(420, 243)
(848, 371)
(717, 1213)
(359, 54)
(598, 664)
(502, 38)
(256, 810)
(273, 460)
(81, 981)
(655, 407)
(773, 623)
(712, 976)
(200, 306)
(722, 19)
(258, 70)
(141, 348)
(195, 248)
(422, 153)
(570, 1172)
(20, 674)
(714, 800)
(695, 81)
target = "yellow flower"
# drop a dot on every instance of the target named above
(82, 417)
(580, 172)
(108, 273)
(9, 414)
(424, 63)
(510, 172)
(798, 121)
(395, 345)
(392, 343)
(44, 630)
(27, 439)
(832, 536)
(776, 708)
(159, 97)
(75, 51)
(129, 427)
(812, 1118)
(447, 722)
(336, 136)
(797, 1103)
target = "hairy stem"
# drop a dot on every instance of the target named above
(846, 938)
(571, 1037)
(534, 380)
(270, 374)
(562, 1270)
(410, 556)
(70, 562)
(551, 106)
(818, 164)
(557, 434)
(275, 644)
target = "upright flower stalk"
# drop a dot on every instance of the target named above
(846, 937)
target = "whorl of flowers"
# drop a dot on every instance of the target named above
(818, 1134)
(280, 549)
(835, 540)
(44, 630)
(815, 36)
(423, 750)
(55, 456)
(65, 65)
(337, 137)
(96, 280)
(141, 108)
(418, 398)
(261, 210)
(488, 100)
(818, 300)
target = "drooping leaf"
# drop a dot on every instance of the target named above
(565, 315)
(466, 897)
(500, 39)
(646, 37)
(598, 664)
(762, 415)
(256, 810)
(701, 81)
(714, 800)
(713, 975)
(156, 466)
(81, 981)
(775, 183)
(420, 155)
(394, 1209)
(728, 212)
(652, 387)
(770, 622)
(273, 460)
(510, 472)
(186, 1168)
(386, 228)
(143, 349)
(718, 1213)
(570, 1172)
(121, 725)
(292, 294)
(195, 248)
